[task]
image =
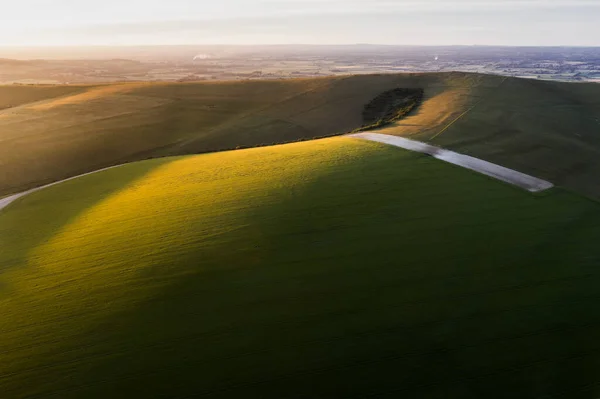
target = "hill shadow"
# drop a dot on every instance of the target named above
(26, 224)
(339, 285)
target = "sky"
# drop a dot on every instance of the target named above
(404, 22)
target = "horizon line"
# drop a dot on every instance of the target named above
(292, 44)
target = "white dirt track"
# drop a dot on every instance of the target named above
(529, 183)
(6, 201)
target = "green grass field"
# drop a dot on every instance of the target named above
(546, 129)
(357, 270)
(42, 142)
(16, 95)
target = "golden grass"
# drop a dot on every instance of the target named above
(62, 279)
(112, 124)
(17, 95)
(299, 267)
(434, 114)
(545, 129)
(92, 93)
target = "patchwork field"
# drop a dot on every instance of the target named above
(357, 270)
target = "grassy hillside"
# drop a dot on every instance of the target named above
(356, 270)
(16, 95)
(113, 124)
(547, 129)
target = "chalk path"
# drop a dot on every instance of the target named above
(6, 201)
(530, 183)
(527, 182)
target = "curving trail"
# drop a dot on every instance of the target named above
(529, 183)
(6, 201)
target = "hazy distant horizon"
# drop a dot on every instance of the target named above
(263, 22)
(83, 46)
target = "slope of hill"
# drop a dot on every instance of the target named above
(113, 124)
(356, 270)
(546, 129)
(16, 95)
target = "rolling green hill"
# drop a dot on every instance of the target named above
(357, 270)
(16, 95)
(547, 129)
(112, 124)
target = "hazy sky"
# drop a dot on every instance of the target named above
(127, 22)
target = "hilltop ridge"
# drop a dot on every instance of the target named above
(547, 129)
